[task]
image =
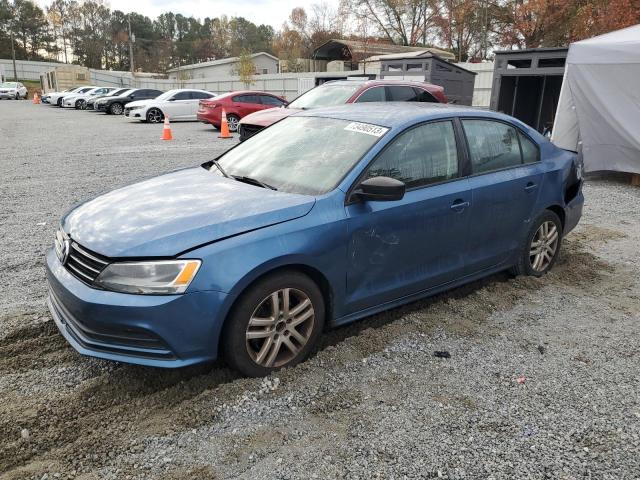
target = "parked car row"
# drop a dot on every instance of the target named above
(247, 111)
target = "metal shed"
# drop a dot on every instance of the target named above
(458, 82)
(526, 84)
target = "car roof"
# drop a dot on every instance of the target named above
(365, 82)
(393, 114)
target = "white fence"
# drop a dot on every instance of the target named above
(287, 85)
(27, 70)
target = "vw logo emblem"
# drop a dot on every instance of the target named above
(65, 248)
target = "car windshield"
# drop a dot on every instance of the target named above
(9, 85)
(295, 156)
(116, 93)
(325, 96)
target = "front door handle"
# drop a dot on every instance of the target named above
(530, 187)
(459, 205)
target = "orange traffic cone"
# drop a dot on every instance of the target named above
(224, 126)
(166, 131)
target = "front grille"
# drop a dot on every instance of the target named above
(247, 131)
(82, 263)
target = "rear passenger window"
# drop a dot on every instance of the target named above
(423, 155)
(424, 96)
(529, 149)
(492, 145)
(375, 94)
(269, 100)
(246, 99)
(401, 94)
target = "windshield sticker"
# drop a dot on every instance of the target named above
(367, 128)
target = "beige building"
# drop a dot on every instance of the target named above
(225, 67)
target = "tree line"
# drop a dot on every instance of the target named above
(89, 33)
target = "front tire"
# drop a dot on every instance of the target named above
(154, 115)
(275, 324)
(542, 246)
(116, 109)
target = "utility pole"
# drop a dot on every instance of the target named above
(13, 48)
(132, 39)
(13, 56)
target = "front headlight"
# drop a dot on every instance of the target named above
(136, 107)
(155, 277)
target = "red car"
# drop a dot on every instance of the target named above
(338, 92)
(236, 105)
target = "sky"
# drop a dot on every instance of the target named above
(271, 12)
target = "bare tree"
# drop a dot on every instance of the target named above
(405, 22)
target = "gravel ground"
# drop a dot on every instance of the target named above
(542, 381)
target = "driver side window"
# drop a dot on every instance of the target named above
(421, 156)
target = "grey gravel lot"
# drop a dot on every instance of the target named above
(542, 381)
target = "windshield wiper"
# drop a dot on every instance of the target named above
(253, 181)
(225, 174)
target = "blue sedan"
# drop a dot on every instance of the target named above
(324, 218)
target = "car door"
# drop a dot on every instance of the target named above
(246, 104)
(505, 181)
(177, 107)
(401, 247)
(196, 96)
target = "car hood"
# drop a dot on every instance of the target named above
(264, 118)
(166, 215)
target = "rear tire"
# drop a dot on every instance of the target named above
(232, 121)
(542, 246)
(275, 323)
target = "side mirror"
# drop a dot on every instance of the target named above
(172, 99)
(381, 189)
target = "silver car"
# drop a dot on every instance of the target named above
(13, 90)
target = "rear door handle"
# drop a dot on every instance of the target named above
(459, 205)
(530, 187)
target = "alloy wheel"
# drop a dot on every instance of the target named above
(154, 116)
(233, 123)
(280, 327)
(116, 109)
(544, 246)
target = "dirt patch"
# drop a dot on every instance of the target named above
(109, 413)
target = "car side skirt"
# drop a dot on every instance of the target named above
(352, 317)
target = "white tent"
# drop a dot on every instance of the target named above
(600, 101)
